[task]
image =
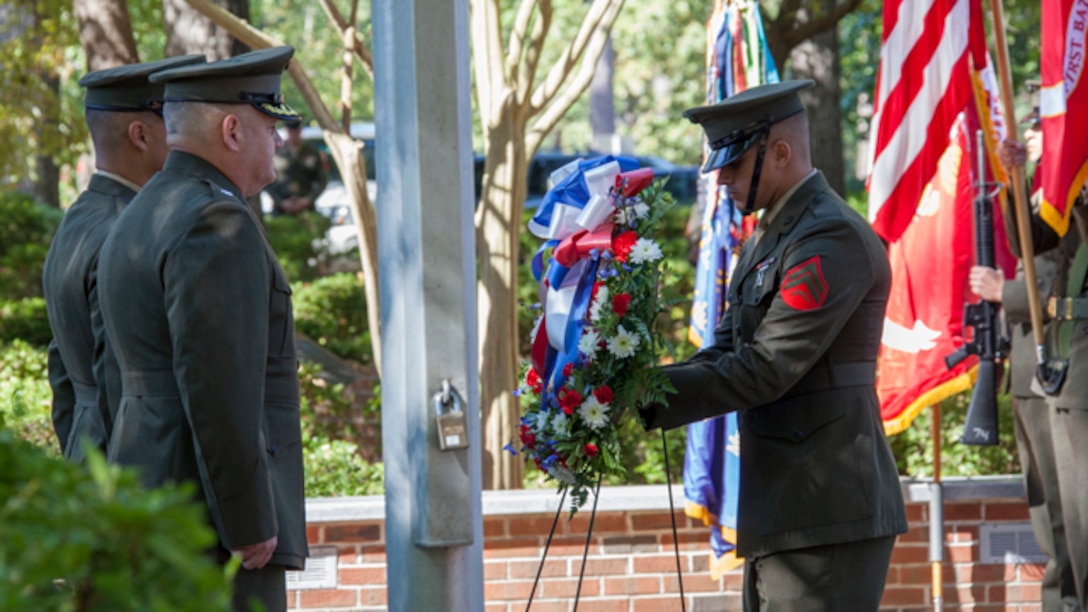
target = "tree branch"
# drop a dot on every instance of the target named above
(515, 47)
(527, 75)
(590, 52)
(595, 29)
(804, 31)
(356, 47)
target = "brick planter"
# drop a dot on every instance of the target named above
(990, 562)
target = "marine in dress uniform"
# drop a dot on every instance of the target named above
(199, 312)
(123, 113)
(301, 174)
(794, 355)
(1032, 412)
(1068, 403)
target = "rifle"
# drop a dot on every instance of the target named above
(986, 340)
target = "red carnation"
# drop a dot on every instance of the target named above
(622, 244)
(620, 303)
(590, 449)
(567, 369)
(569, 399)
(603, 394)
(528, 438)
(532, 378)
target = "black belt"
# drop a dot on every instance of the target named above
(835, 376)
(1067, 308)
(280, 383)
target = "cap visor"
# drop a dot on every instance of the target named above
(728, 154)
(279, 111)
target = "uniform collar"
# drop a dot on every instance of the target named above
(771, 213)
(118, 178)
(181, 162)
(111, 186)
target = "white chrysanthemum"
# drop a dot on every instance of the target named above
(536, 328)
(641, 210)
(560, 423)
(623, 344)
(602, 302)
(541, 420)
(589, 343)
(620, 216)
(645, 250)
(593, 412)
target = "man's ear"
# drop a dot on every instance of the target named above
(231, 132)
(138, 135)
(781, 152)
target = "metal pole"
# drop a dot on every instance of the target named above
(936, 515)
(426, 255)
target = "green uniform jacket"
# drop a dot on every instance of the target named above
(795, 357)
(199, 313)
(83, 372)
(298, 175)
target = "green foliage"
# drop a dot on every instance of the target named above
(332, 440)
(913, 448)
(335, 469)
(332, 311)
(93, 539)
(39, 47)
(26, 228)
(25, 396)
(25, 319)
(300, 244)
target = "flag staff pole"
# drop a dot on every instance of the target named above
(936, 516)
(1020, 200)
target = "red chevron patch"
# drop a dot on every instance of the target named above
(804, 287)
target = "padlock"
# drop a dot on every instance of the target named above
(452, 434)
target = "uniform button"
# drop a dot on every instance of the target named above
(798, 433)
(272, 449)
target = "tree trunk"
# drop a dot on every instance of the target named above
(189, 31)
(818, 59)
(105, 33)
(497, 241)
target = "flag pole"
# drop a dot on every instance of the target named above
(1020, 200)
(936, 516)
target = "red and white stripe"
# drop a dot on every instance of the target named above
(923, 84)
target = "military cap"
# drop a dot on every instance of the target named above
(249, 78)
(126, 88)
(736, 123)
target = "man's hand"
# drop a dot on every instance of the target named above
(986, 283)
(255, 556)
(1012, 153)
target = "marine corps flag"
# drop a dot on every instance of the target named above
(1064, 109)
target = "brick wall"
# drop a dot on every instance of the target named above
(631, 565)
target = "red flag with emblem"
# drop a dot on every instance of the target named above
(1064, 109)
